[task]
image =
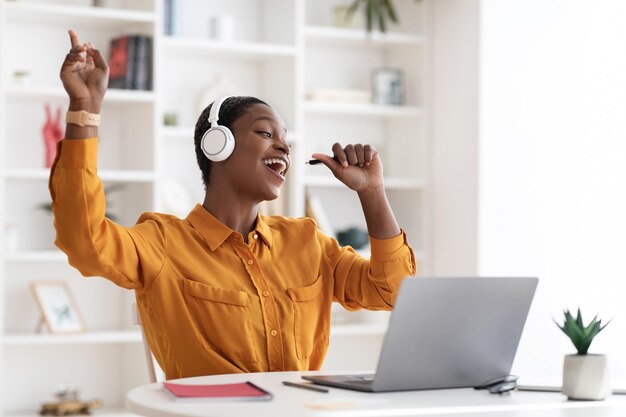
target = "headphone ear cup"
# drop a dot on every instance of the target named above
(218, 143)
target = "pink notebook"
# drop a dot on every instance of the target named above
(220, 392)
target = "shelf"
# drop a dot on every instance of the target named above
(113, 175)
(390, 183)
(362, 109)
(238, 50)
(100, 412)
(186, 133)
(64, 14)
(178, 132)
(89, 338)
(357, 329)
(112, 95)
(36, 256)
(359, 37)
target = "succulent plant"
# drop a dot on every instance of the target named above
(581, 335)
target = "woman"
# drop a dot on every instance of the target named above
(224, 290)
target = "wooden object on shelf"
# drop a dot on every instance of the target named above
(69, 407)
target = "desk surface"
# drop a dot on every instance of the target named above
(150, 400)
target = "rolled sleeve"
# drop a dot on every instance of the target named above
(78, 154)
(384, 250)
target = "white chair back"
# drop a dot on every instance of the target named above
(155, 374)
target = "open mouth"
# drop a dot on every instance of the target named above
(277, 165)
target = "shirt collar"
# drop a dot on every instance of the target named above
(212, 230)
(215, 232)
(264, 230)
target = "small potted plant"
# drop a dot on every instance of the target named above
(585, 376)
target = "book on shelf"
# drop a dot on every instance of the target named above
(241, 391)
(142, 79)
(171, 15)
(130, 62)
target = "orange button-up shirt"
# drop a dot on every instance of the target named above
(210, 303)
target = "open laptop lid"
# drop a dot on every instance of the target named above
(453, 332)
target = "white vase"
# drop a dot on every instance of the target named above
(222, 28)
(586, 377)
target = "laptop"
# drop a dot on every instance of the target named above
(447, 333)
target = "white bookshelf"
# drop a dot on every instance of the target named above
(358, 38)
(255, 51)
(282, 49)
(349, 330)
(108, 412)
(186, 133)
(106, 361)
(60, 13)
(89, 338)
(391, 183)
(105, 174)
(112, 95)
(45, 256)
(363, 109)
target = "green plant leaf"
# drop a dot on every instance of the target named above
(353, 8)
(381, 16)
(391, 11)
(580, 335)
(579, 319)
(369, 14)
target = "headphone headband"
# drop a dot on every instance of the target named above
(214, 114)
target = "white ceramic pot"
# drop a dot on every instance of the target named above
(222, 28)
(586, 377)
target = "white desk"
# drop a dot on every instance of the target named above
(150, 400)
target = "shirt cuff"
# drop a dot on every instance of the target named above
(78, 154)
(387, 249)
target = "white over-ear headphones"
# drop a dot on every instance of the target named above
(218, 142)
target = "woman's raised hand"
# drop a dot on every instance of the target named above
(359, 166)
(85, 75)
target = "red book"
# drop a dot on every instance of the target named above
(225, 392)
(122, 62)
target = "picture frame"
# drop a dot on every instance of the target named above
(388, 86)
(59, 311)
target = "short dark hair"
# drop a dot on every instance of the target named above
(231, 110)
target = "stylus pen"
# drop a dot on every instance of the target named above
(317, 161)
(304, 386)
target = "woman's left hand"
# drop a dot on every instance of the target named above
(359, 166)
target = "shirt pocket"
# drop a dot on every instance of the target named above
(222, 317)
(311, 320)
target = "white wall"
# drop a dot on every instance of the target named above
(552, 166)
(455, 136)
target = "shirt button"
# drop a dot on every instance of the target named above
(266, 293)
(250, 261)
(273, 332)
(255, 236)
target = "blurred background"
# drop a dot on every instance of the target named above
(500, 124)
